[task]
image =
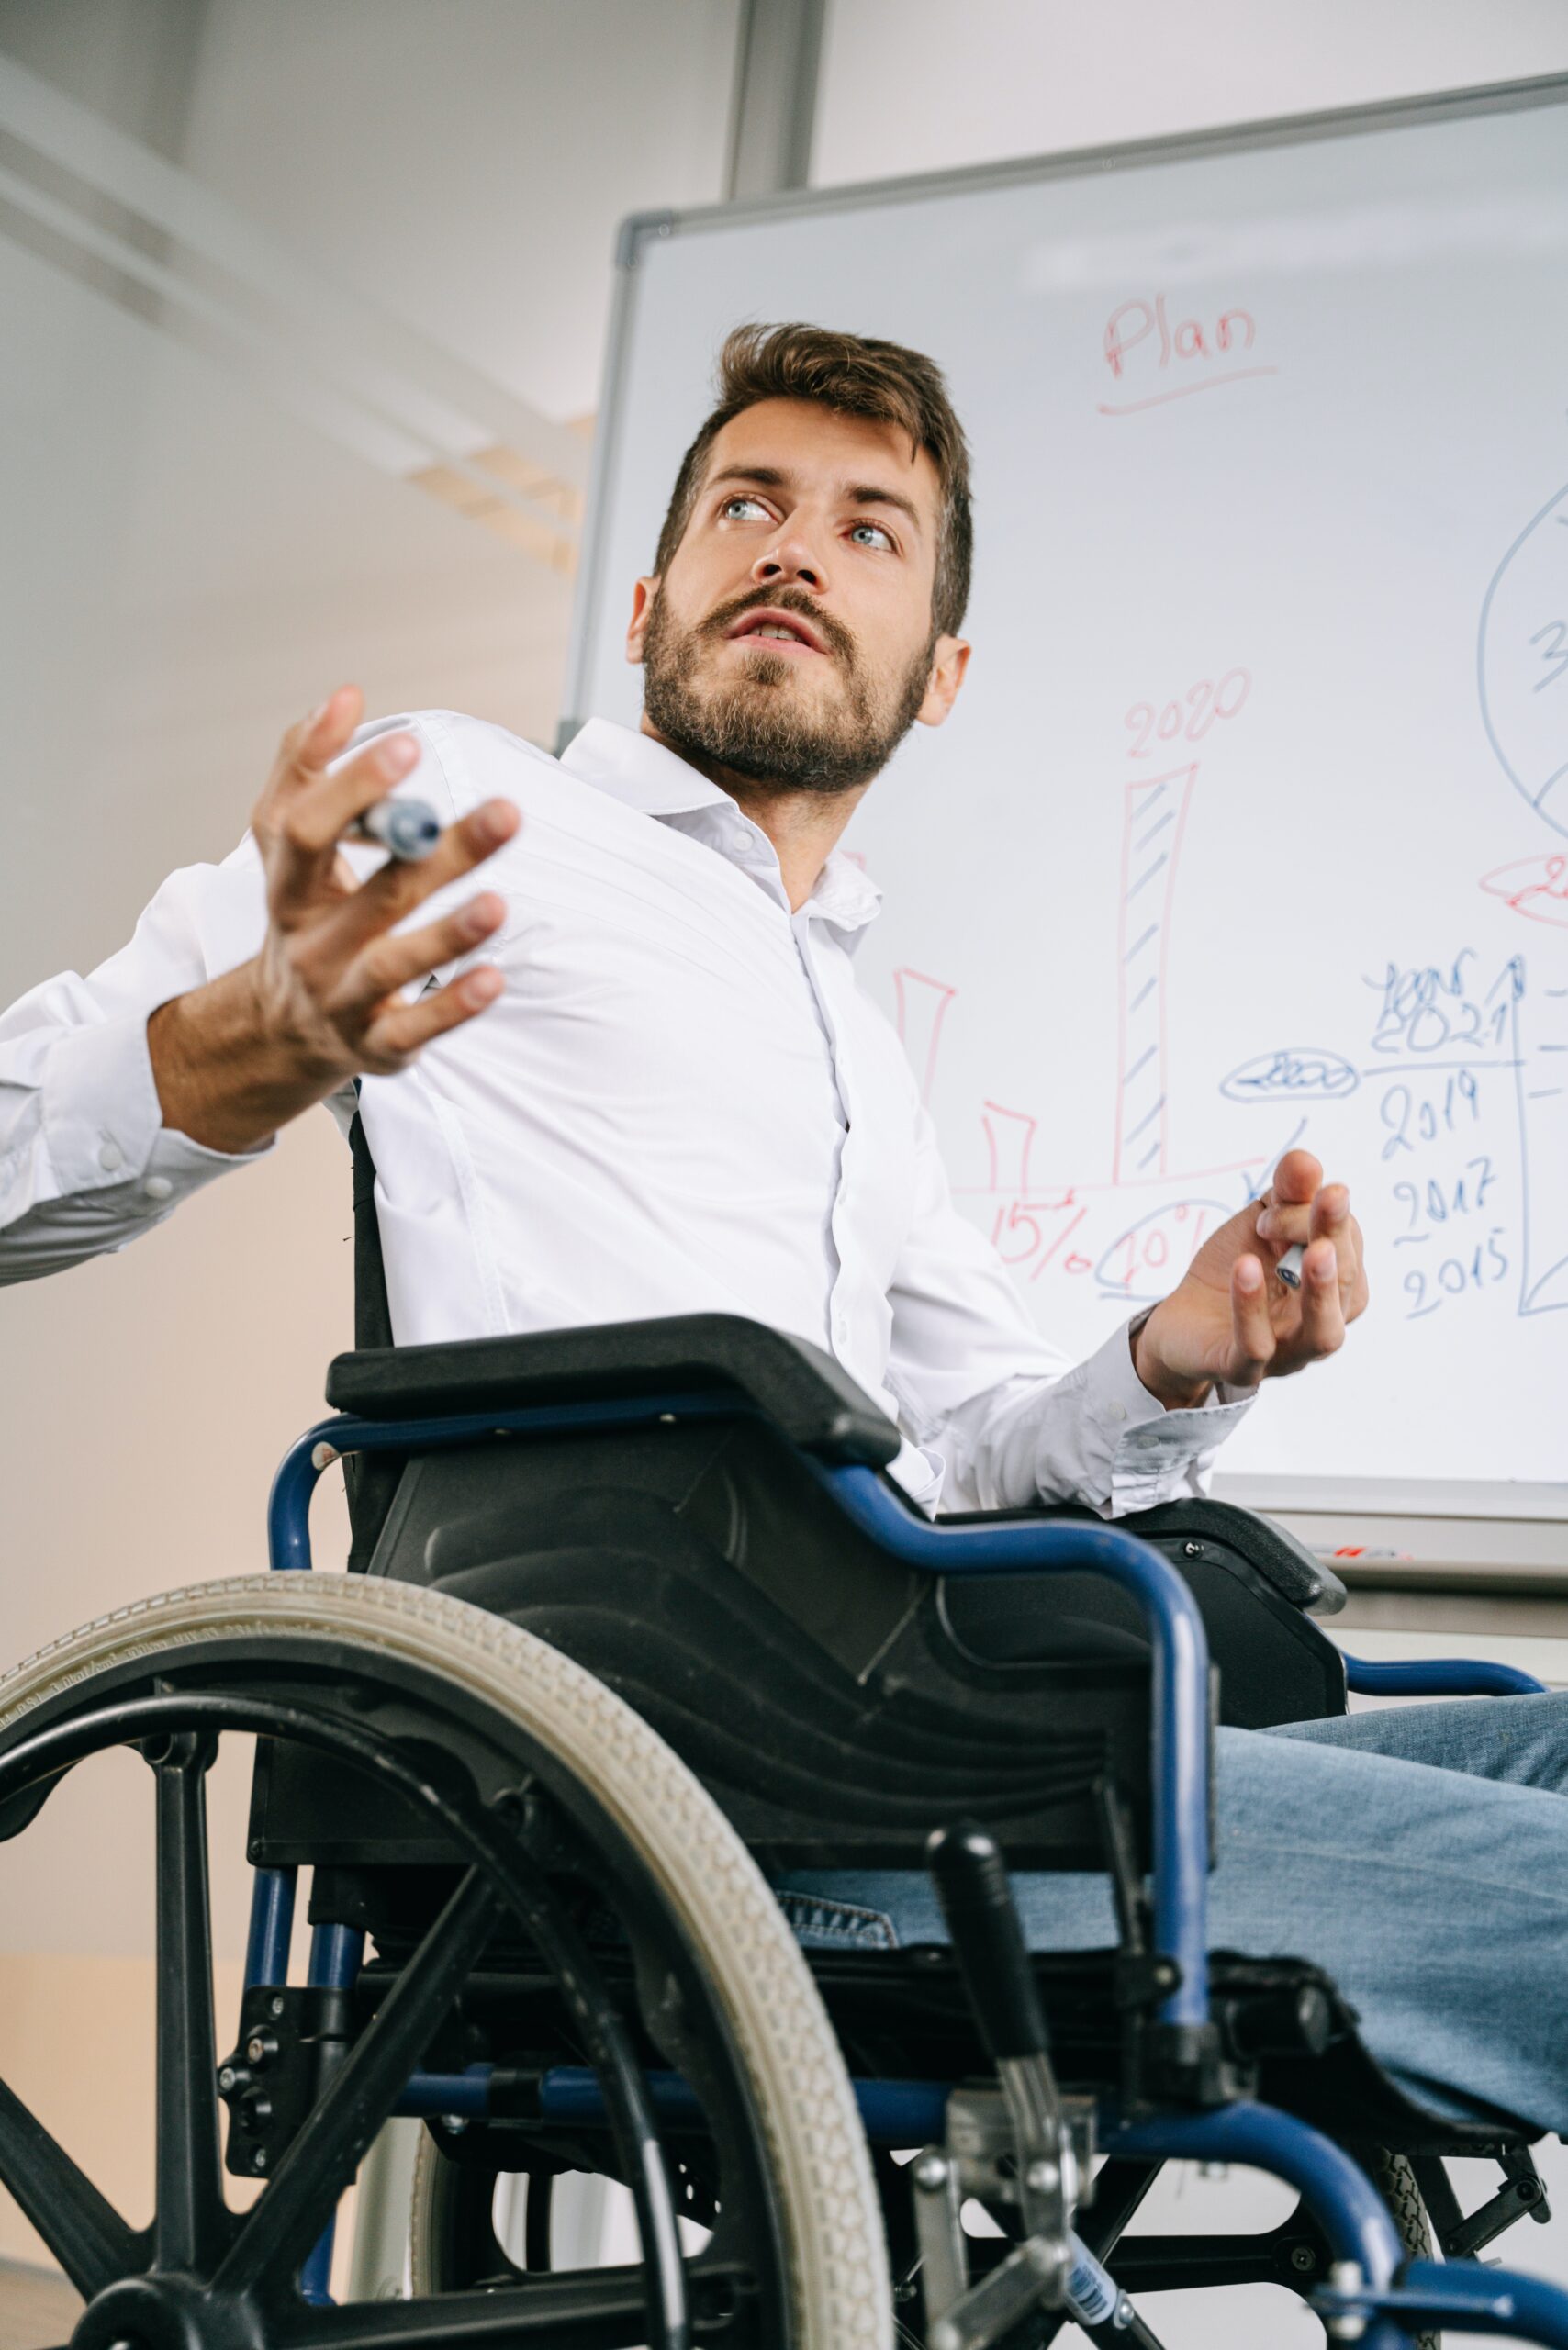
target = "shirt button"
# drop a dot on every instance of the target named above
(158, 1187)
(110, 1157)
(1118, 1411)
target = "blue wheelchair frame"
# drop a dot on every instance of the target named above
(1368, 2286)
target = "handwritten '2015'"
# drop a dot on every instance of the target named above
(1486, 1265)
(1188, 720)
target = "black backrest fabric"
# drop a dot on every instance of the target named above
(372, 1312)
(370, 1478)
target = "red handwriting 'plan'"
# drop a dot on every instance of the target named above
(1155, 356)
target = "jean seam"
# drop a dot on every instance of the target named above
(1389, 1866)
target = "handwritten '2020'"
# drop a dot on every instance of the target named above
(1154, 357)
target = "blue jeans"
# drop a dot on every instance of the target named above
(1418, 1854)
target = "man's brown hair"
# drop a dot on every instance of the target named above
(857, 376)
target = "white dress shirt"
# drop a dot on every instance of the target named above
(680, 1103)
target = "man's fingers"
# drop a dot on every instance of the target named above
(1252, 1331)
(388, 963)
(1332, 1221)
(311, 822)
(390, 1041)
(1297, 1179)
(317, 740)
(393, 892)
(1322, 1308)
(1285, 1222)
(1282, 1225)
(311, 745)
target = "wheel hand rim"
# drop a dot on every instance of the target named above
(661, 2285)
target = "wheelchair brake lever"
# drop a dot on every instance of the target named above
(970, 1876)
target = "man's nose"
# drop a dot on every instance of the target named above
(792, 555)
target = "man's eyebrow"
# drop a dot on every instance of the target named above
(866, 493)
(862, 493)
(769, 476)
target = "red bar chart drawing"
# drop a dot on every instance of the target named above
(922, 1008)
(1154, 816)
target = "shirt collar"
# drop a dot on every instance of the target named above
(646, 775)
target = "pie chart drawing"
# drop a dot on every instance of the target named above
(1522, 662)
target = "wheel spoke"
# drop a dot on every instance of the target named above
(537, 2209)
(85, 2233)
(192, 2222)
(323, 2159)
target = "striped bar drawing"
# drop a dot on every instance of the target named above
(1154, 816)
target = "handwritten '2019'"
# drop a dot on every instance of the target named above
(1188, 720)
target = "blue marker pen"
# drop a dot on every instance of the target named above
(1289, 1266)
(406, 829)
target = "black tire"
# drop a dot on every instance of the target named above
(313, 1633)
(1395, 2182)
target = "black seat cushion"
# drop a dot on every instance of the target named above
(796, 1385)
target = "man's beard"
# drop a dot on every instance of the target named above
(750, 725)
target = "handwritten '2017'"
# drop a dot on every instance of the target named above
(1189, 719)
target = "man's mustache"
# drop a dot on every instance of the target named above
(833, 633)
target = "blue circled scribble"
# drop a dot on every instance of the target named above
(1293, 1072)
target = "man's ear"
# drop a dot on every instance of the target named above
(642, 596)
(949, 659)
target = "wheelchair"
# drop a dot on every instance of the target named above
(635, 1623)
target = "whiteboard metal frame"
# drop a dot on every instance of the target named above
(1301, 1494)
(1494, 1502)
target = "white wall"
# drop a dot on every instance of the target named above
(919, 85)
(467, 163)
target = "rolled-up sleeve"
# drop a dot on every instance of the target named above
(86, 1163)
(1014, 1419)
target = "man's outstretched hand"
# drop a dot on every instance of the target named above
(1232, 1319)
(322, 1002)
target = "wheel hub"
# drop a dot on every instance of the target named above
(166, 2313)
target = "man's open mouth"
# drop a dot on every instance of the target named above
(783, 631)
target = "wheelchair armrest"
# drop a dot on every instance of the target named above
(1283, 1563)
(796, 1385)
(1447, 1676)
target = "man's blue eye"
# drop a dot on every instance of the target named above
(731, 503)
(876, 528)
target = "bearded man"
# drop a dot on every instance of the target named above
(633, 1077)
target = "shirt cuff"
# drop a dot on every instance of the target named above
(1155, 1455)
(103, 1124)
(921, 1473)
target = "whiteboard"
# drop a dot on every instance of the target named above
(1250, 827)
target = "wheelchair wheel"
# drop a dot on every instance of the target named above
(471, 2226)
(1395, 2181)
(474, 1719)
